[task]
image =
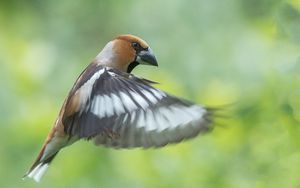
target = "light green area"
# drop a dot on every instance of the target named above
(245, 52)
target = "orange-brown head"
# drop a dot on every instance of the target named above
(125, 52)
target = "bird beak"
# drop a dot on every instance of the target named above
(147, 57)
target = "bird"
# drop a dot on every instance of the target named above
(111, 107)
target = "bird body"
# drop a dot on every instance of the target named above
(113, 108)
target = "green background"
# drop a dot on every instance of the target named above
(240, 52)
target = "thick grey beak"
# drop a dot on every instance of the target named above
(147, 57)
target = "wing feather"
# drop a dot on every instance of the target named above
(122, 111)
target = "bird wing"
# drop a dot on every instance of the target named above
(119, 110)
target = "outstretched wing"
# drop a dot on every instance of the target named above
(119, 110)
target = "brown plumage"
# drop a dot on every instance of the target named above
(115, 109)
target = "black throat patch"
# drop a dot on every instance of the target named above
(131, 66)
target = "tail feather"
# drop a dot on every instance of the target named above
(39, 168)
(49, 150)
(38, 172)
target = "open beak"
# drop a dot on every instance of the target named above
(147, 57)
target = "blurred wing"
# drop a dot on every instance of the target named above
(120, 110)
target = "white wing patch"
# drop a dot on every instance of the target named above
(139, 99)
(139, 114)
(163, 121)
(155, 128)
(86, 89)
(141, 120)
(117, 104)
(98, 106)
(160, 119)
(127, 101)
(149, 96)
(108, 106)
(150, 122)
(173, 117)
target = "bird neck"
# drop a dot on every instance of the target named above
(110, 57)
(107, 55)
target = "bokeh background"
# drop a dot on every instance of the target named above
(240, 52)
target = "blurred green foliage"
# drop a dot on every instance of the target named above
(213, 52)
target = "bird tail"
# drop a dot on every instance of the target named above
(42, 162)
(39, 168)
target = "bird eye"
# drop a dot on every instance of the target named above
(136, 45)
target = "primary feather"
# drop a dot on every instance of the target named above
(124, 111)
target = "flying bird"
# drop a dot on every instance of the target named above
(114, 108)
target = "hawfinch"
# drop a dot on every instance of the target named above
(114, 108)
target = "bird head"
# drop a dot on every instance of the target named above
(125, 52)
